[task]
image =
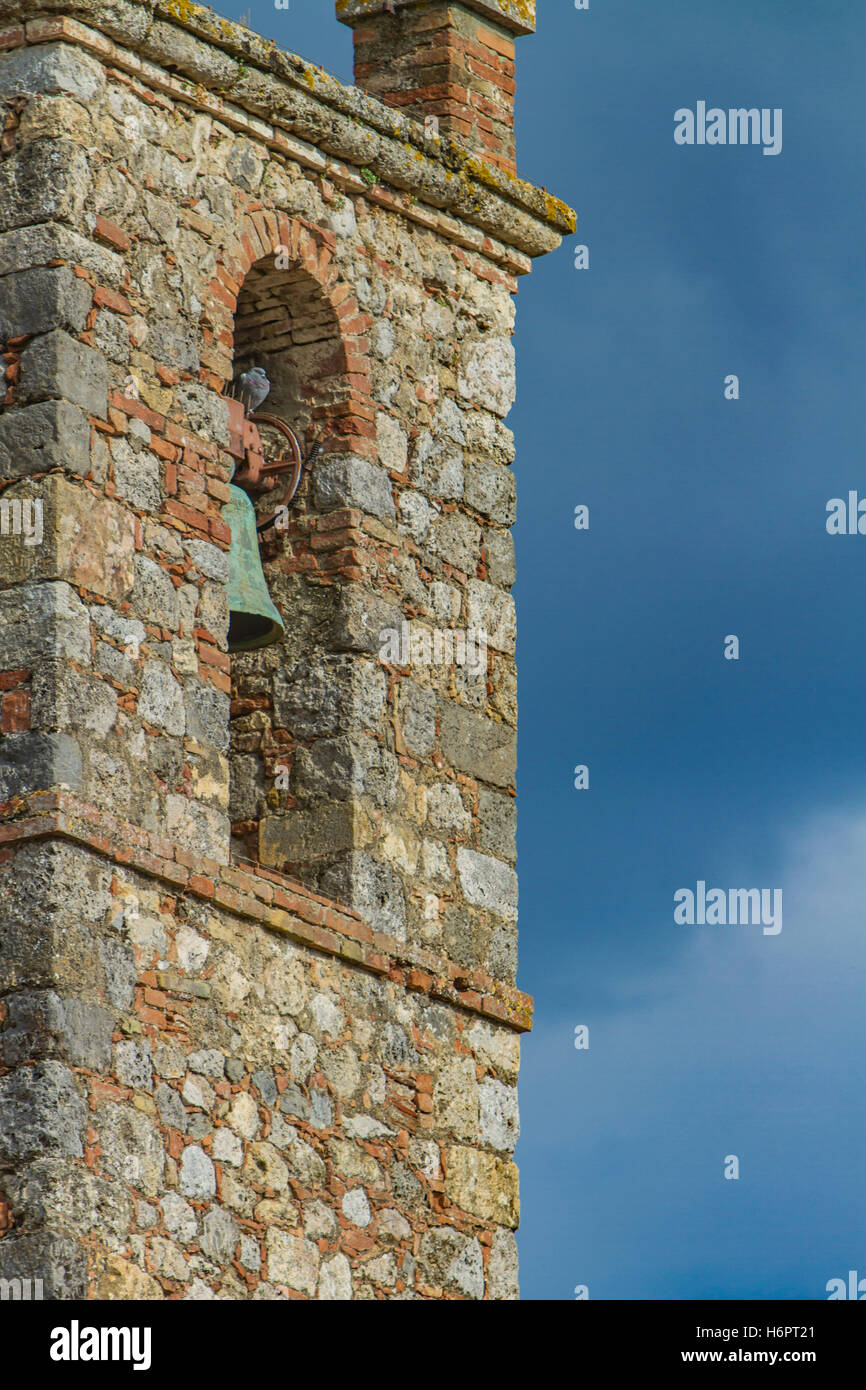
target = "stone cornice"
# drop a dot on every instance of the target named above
(266, 898)
(201, 58)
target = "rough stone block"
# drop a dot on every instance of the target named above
(478, 746)
(41, 1024)
(455, 1099)
(293, 1261)
(483, 1185)
(445, 808)
(348, 481)
(487, 374)
(51, 434)
(304, 836)
(499, 557)
(60, 1262)
(372, 889)
(497, 1048)
(132, 1147)
(391, 444)
(197, 1178)
(488, 883)
(220, 1235)
(499, 1119)
(50, 68)
(161, 699)
(490, 490)
(24, 248)
(34, 762)
(57, 367)
(337, 694)
(437, 467)
(44, 181)
(41, 1111)
(133, 1064)
(207, 714)
(42, 299)
(87, 541)
(451, 1261)
(335, 1280)
(417, 714)
(502, 1267)
(497, 815)
(137, 476)
(116, 1279)
(360, 620)
(209, 559)
(42, 620)
(457, 541)
(247, 790)
(492, 611)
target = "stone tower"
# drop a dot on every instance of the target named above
(259, 1027)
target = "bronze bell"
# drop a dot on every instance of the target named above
(253, 619)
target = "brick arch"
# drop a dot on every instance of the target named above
(323, 330)
(300, 319)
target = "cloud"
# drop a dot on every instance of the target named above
(743, 1044)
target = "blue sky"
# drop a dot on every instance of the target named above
(707, 517)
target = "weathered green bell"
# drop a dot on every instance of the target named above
(253, 619)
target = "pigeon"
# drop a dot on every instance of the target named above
(252, 387)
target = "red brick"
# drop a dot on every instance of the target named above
(218, 529)
(128, 405)
(110, 299)
(111, 233)
(418, 979)
(497, 43)
(11, 38)
(153, 1016)
(15, 712)
(9, 679)
(195, 519)
(221, 294)
(214, 657)
(218, 678)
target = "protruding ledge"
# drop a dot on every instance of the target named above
(518, 16)
(267, 898)
(288, 94)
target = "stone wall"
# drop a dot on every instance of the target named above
(261, 1102)
(280, 1063)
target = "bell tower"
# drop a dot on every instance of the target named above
(259, 1014)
